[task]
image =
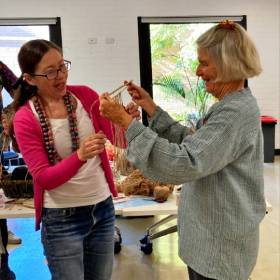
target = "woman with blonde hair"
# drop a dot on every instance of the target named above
(220, 166)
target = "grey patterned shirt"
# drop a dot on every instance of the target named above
(221, 169)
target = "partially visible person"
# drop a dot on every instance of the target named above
(5, 272)
(220, 165)
(7, 79)
(61, 136)
(5, 140)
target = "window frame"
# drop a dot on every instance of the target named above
(53, 23)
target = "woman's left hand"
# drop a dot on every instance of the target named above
(92, 146)
(114, 111)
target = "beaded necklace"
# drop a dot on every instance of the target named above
(53, 155)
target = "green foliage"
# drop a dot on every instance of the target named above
(171, 85)
(195, 96)
(174, 60)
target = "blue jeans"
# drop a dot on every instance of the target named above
(79, 241)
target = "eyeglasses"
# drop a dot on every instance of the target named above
(52, 74)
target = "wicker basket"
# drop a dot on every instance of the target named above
(17, 188)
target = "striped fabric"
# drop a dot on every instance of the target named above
(221, 169)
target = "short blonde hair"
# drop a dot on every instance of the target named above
(232, 50)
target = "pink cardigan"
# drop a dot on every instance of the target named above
(30, 140)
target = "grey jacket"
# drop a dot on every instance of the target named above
(221, 169)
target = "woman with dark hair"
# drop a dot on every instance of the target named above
(61, 136)
(220, 166)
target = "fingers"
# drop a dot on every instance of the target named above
(134, 93)
(105, 96)
(95, 140)
(93, 145)
(105, 104)
(137, 93)
(115, 112)
(131, 87)
(127, 83)
(133, 109)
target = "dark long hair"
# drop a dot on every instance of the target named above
(30, 54)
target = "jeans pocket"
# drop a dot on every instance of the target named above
(105, 209)
(56, 223)
(56, 215)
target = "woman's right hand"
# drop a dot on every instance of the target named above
(91, 146)
(141, 97)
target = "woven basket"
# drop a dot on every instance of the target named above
(17, 188)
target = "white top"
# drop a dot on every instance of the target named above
(89, 186)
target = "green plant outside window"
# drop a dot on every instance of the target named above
(176, 88)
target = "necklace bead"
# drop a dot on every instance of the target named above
(48, 138)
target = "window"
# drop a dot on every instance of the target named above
(168, 61)
(15, 32)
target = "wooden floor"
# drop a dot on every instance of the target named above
(27, 260)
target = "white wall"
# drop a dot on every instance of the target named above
(104, 66)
